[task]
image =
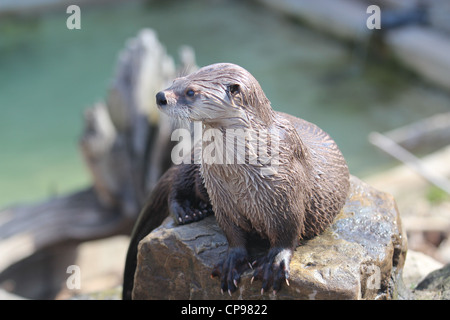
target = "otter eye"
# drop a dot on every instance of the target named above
(190, 93)
(233, 88)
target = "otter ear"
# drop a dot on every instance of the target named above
(234, 89)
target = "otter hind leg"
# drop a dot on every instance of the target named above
(273, 269)
(236, 262)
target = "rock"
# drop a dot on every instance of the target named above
(443, 251)
(417, 266)
(360, 256)
(435, 286)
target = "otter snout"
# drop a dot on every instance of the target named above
(161, 100)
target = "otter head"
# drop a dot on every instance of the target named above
(219, 95)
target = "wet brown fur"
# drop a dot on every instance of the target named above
(311, 183)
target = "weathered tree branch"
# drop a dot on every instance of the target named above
(126, 147)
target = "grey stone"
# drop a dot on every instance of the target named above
(435, 286)
(360, 256)
(417, 266)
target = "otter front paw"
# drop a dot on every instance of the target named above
(273, 269)
(229, 271)
(188, 211)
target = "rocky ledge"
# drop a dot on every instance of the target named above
(360, 256)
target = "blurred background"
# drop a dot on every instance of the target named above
(306, 60)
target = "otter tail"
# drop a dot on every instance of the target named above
(155, 210)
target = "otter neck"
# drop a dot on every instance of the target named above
(261, 117)
(253, 144)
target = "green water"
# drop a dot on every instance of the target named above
(49, 75)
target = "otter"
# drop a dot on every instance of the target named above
(294, 200)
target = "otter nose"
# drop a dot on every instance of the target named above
(161, 99)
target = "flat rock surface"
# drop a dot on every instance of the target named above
(360, 256)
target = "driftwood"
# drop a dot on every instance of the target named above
(433, 131)
(400, 153)
(27, 229)
(126, 147)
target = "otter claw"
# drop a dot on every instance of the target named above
(273, 269)
(189, 211)
(229, 271)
